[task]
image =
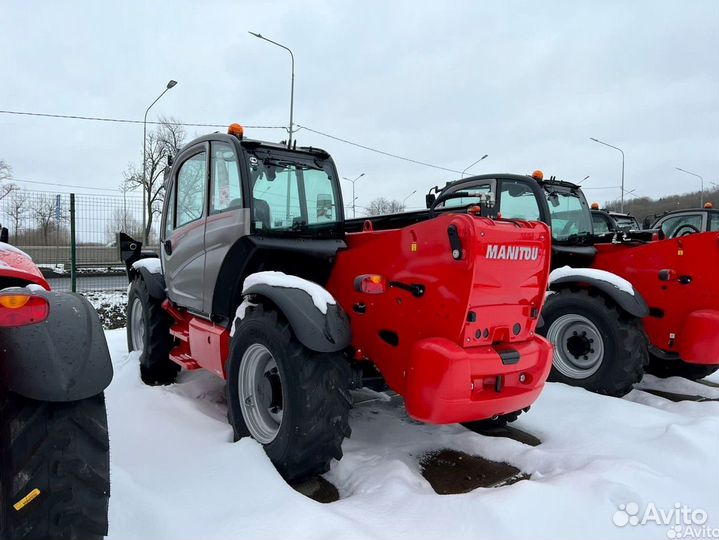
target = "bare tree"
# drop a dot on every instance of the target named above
(49, 215)
(6, 188)
(381, 206)
(17, 209)
(162, 143)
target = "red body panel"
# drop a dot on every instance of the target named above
(200, 343)
(16, 264)
(689, 324)
(441, 348)
(448, 384)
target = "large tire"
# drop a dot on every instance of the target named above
(62, 450)
(597, 345)
(292, 400)
(678, 368)
(148, 330)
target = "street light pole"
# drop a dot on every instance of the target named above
(702, 183)
(354, 199)
(473, 164)
(407, 197)
(622, 151)
(292, 86)
(170, 84)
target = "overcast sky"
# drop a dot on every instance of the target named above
(442, 82)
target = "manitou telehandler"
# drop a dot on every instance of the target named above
(621, 301)
(54, 367)
(261, 281)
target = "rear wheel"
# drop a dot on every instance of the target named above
(292, 400)
(54, 468)
(678, 368)
(148, 331)
(596, 345)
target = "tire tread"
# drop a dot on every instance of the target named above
(61, 449)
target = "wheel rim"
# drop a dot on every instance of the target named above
(137, 325)
(578, 346)
(259, 385)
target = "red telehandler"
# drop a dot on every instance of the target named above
(261, 281)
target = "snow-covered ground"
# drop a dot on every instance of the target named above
(176, 473)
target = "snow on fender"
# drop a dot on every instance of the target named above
(323, 329)
(592, 273)
(151, 264)
(320, 296)
(618, 288)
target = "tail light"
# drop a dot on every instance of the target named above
(370, 284)
(20, 309)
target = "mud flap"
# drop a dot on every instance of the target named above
(64, 358)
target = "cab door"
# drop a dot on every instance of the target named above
(183, 244)
(228, 218)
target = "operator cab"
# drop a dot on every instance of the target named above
(230, 198)
(685, 222)
(605, 222)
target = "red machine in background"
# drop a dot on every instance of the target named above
(621, 302)
(679, 280)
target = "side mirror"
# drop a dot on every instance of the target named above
(429, 199)
(129, 248)
(4, 235)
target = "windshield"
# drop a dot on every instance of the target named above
(571, 217)
(293, 195)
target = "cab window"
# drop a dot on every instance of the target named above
(600, 223)
(225, 187)
(191, 183)
(713, 221)
(170, 215)
(681, 225)
(517, 201)
(470, 195)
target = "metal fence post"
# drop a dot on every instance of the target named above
(73, 246)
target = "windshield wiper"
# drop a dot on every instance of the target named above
(286, 163)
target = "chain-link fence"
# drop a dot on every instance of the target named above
(72, 239)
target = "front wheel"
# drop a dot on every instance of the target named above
(148, 331)
(54, 468)
(596, 345)
(293, 401)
